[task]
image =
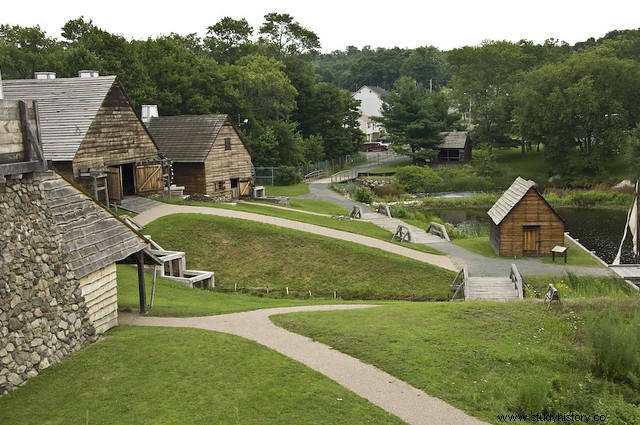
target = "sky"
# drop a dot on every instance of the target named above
(392, 23)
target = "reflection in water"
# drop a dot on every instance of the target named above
(599, 230)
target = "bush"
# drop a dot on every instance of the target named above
(363, 194)
(287, 175)
(414, 179)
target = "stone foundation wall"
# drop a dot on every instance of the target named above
(43, 316)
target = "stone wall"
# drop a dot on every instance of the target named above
(43, 316)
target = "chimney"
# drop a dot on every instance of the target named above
(45, 75)
(88, 73)
(148, 112)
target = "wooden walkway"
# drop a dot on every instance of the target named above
(489, 288)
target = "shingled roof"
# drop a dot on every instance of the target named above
(378, 90)
(510, 199)
(454, 140)
(93, 236)
(66, 109)
(186, 138)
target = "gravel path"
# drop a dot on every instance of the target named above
(167, 209)
(396, 397)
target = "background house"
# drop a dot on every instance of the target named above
(523, 222)
(370, 106)
(207, 152)
(456, 147)
(90, 133)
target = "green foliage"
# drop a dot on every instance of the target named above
(464, 178)
(287, 176)
(415, 179)
(363, 194)
(614, 342)
(484, 162)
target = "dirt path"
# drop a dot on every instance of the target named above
(410, 404)
(167, 209)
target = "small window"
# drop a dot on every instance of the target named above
(227, 143)
(219, 186)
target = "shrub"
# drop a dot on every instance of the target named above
(363, 194)
(414, 179)
(287, 175)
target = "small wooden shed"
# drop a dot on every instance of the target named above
(523, 223)
(91, 134)
(207, 152)
(456, 147)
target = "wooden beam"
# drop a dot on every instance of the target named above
(141, 286)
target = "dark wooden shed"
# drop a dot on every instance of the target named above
(456, 147)
(91, 134)
(523, 223)
(207, 152)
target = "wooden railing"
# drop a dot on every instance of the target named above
(518, 283)
(344, 176)
(458, 285)
(438, 230)
(20, 147)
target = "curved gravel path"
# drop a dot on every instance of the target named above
(410, 404)
(167, 209)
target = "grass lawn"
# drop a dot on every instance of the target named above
(485, 358)
(391, 168)
(576, 255)
(315, 206)
(139, 375)
(531, 166)
(358, 227)
(291, 190)
(172, 299)
(251, 254)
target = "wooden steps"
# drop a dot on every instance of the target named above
(491, 288)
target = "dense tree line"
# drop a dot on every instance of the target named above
(264, 79)
(294, 104)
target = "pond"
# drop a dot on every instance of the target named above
(599, 230)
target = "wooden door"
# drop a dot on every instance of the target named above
(531, 244)
(148, 179)
(114, 184)
(235, 190)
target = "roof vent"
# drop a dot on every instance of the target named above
(148, 112)
(88, 73)
(45, 75)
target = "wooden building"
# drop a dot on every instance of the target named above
(456, 147)
(90, 133)
(207, 153)
(523, 223)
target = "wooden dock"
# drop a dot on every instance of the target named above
(488, 288)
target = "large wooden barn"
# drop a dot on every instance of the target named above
(91, 134)
(207, 152)
(523, 223)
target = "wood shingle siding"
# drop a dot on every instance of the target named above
(100, 292)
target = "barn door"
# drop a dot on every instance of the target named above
(245, 188)
(148, 179)
(114, 184)
(235, 190)
(531, 240)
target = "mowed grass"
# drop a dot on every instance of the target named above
(291, 190)
(172, 299)
(486, 358)
(141, 375)
(358, 227)
(249, 254)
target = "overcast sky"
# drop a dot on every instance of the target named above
(402, 23)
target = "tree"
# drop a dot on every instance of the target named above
(579, 109)
(414, 117)
(427, 66)
(25, 50)
(287, 36)
(229, 39)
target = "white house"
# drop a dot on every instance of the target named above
(370, 106)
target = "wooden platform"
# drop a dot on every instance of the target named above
(491, 288)
(627, 271)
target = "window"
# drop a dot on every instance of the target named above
(227, 143)
(219, 186)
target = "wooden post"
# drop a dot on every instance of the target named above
(153, 284)
(141, 287)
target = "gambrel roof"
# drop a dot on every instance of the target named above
(94, 238)
(510, 199)
(186, 138)
(66, 109)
